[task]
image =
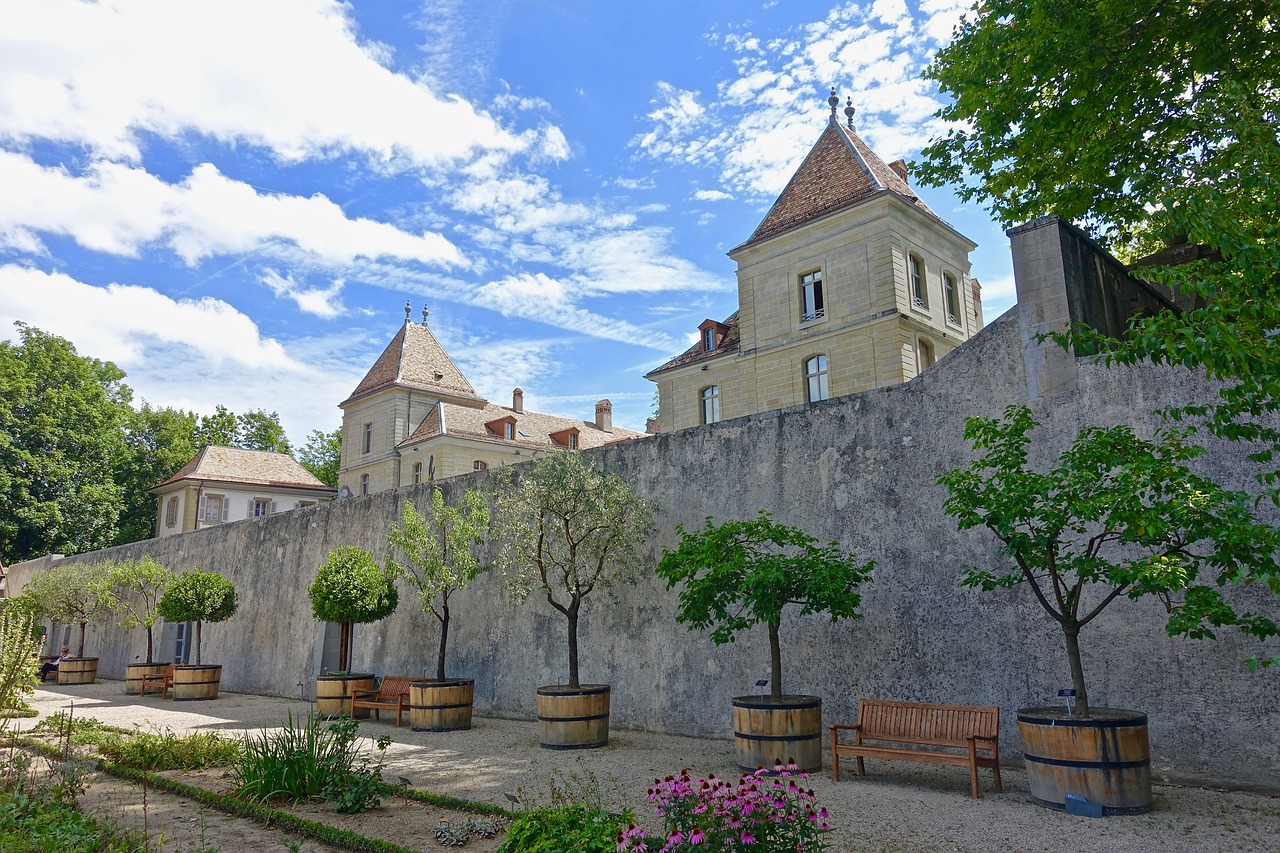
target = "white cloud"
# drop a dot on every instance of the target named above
(119, 209)
(323, 302)
(289, 75)
(712, 195)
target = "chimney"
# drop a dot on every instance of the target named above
(604, 415)
(900, 166)
(517, 401)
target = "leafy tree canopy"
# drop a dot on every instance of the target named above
(1146, 122)
(257, 429)
(1117, 515)
(322, 455)
(350, 586)
(741, 573)
(158, 442)
(137, 586)
(61, 442)
(198, 596)
(75, 593)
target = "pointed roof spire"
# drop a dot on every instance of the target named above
(415, 360)
(834, 101)
(848, 112)
(408, 309)
(425, 312)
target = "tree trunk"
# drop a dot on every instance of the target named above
(198, 625)
(344, 647)
(573, 645)
(80, 650)
(775, 661)
(1072, 634)
(444, 639)
(150, 644)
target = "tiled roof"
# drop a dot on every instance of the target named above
(533, 429)
(252, 467)
(728, 344)
(839, 170)
(415, 359)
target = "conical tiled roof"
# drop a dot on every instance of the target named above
(839, 170)
(414, 359)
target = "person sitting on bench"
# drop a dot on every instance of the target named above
(52, 666)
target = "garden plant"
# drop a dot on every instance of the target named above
(76, 593)
(1117, 515)
(198, 596)
(437, 554)
(741, 573)
(567, 528)
(137, 586)
(351, 587)
(19, 657)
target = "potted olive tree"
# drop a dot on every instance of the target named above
(1117, 515)
(197, 596)
(436, 556)
(76, 593)
(350, 587)
(739, 574)
(567, 528)
(137, 586)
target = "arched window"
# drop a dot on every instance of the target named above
(815, 378)
(924, 354)
(364, 484)
(951, 298)
(479, 465)
(915, 272)
(711, 404)
(417, 472)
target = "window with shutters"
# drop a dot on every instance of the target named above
(215, 509)
(171, 512)
(259, 507)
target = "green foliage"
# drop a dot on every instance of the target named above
(77, 730)
(741, 573)
(198, 596)
(309, 762)
(61, 418)
(261, 430)
(137, 586)
(45, 820)
(72, 592)
(220, 428)
(351, 587)
(158, 442)
(567, 528)
(168, 751)
(322, 455)
(563, 829)
(1117, 515)
(437, 553)
(19, 655)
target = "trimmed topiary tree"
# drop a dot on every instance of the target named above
(438, 554)
(137, 586)
(741, 573)
(351, 587)
(198, 596)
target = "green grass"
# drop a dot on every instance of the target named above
(168, 751)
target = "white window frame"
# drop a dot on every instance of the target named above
(364, 484)
(709, 339)
(951, 298)
(917, 281)
(816, 379)
(417, 473)
(709, 398)
(367, 441)
(207, 504)
(266, 505)
(812, 298)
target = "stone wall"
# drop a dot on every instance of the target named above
(859, 470)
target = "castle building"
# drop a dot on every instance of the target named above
(849, 283)
(415, 418)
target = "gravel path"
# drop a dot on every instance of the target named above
(898, 808)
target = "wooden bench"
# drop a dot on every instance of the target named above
(161, 681)
(963, 735)
(392, 695)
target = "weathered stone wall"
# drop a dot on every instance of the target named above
(859, 470)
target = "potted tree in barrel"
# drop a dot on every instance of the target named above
(1116, 516)
(350, 587)
(567, 529)
(137, 586)
(437, 558)
(741, 573)
(76, 593)
(197, 596)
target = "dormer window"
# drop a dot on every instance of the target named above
(708, 339)
(566, 438)
(811, 303)
(712, 334)
(505, 427)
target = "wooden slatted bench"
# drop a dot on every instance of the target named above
(963, 735)
(392, 695)
(161, 681)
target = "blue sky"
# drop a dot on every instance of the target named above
(233, 200)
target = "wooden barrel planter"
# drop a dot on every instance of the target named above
(196, 681)
(441, 706)
(573, 717)
(78, 671)
(133, 673)
(1104, 758)
(768, 730)
(333, 691)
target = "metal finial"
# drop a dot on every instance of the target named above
(849, 111)
(425, 312)
(834, 101)
(408, 309)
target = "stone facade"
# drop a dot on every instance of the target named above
(827, 301)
